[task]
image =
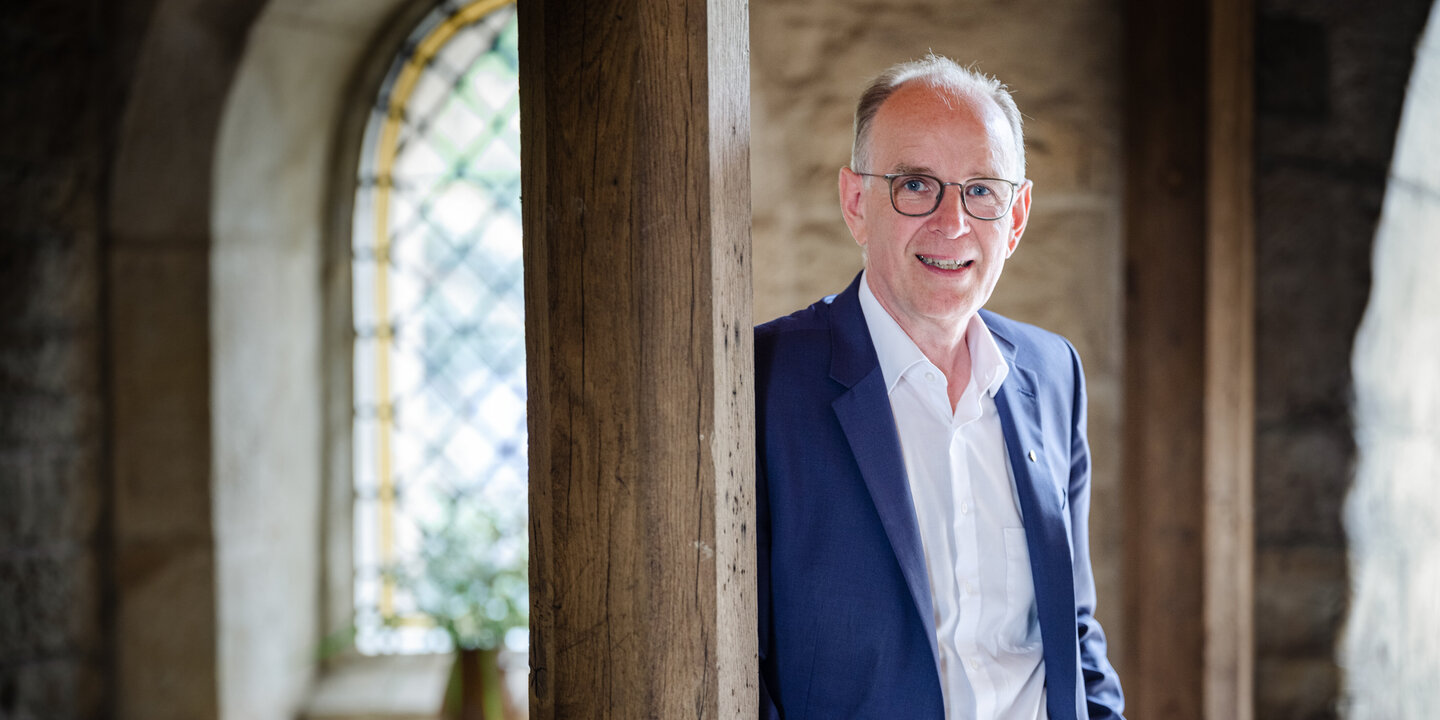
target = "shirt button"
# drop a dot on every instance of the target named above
(974, 664)
(964, 508)
(969, 589)
(930, 376)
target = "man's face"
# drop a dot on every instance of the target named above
(923, 130)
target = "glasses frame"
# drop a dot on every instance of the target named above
(940, 197)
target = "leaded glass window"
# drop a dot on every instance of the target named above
(439, 423)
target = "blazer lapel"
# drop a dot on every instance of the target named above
(1043, 517)
(864, 414)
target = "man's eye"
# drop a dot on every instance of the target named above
(978, 190)
(916, 184)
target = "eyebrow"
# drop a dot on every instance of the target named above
(905, 169)
(908, 169)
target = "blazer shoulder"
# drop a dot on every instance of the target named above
(814, 317)
(802, 327)
(1031, 341)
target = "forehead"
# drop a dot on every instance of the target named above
(922, 126)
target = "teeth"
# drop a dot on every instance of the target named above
(945, 264)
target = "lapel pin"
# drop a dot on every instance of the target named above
(1032, 456)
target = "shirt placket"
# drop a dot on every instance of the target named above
(967, 556)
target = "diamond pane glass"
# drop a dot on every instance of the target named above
(439, 418)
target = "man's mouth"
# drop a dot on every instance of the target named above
(945, 264)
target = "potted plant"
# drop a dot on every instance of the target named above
(471, 579)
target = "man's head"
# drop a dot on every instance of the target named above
(939, 72)
(933, 269)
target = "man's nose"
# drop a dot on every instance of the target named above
(950, 218)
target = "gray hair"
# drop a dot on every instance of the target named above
(941, 73)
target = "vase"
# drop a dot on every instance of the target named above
(475, 692)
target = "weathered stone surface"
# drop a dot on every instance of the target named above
(1323, 146)
(52, 638)
(1296, 688)
(1389, 653)
(1301, 593)
(161, 379)
(1306, 466)
(51, 689)
(167, 586)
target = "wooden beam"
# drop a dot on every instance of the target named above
(1230, 367)
(1165, 359)
(635, 152)
(1190, 361)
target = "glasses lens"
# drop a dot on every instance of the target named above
(915, 194)
(986, 199)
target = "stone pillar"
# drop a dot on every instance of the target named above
(636, 212)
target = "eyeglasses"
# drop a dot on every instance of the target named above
(918, 195)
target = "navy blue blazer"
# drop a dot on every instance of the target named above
(847, 628)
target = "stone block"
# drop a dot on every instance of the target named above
(1359, 62)
(1292, 76)
(66, 688)
(1065, 277)
(1300, 600)
(1417, 153)
(801, 265)
(165, 631)
(49, 281)
(52, 196)
(51, 494)
(49, 361)
(161, 380)
(45, 67)
(1296, 689)
(161, 179)
(1302, 472)
(1312, 281)
(50, 601)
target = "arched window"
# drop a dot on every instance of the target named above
(439, 356)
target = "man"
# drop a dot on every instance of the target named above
(924, 475)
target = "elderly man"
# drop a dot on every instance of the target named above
(924, 475)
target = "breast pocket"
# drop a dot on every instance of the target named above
(1020, 630)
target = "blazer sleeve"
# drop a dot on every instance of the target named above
(1103, 696)
(769, 708)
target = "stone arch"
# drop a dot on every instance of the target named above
(221, 208)
(1388, 651)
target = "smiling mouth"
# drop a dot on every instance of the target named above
(945, 264)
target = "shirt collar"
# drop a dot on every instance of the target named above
(898, 353)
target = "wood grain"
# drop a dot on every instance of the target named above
(1165, 358)
(1230, 367)
(1189, 430)
(636, 210)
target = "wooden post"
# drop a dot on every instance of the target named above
(1165, 359)
(1230, 367)
(1189, 428)
(635, 153)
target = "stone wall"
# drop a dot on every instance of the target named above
(1390, 657)
(811, 58)
(1330, 83)
(53, 562)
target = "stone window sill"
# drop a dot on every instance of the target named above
(386, 687)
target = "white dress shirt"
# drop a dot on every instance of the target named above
(991, 659)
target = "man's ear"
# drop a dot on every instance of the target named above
(1019, 215)
(852, 186)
